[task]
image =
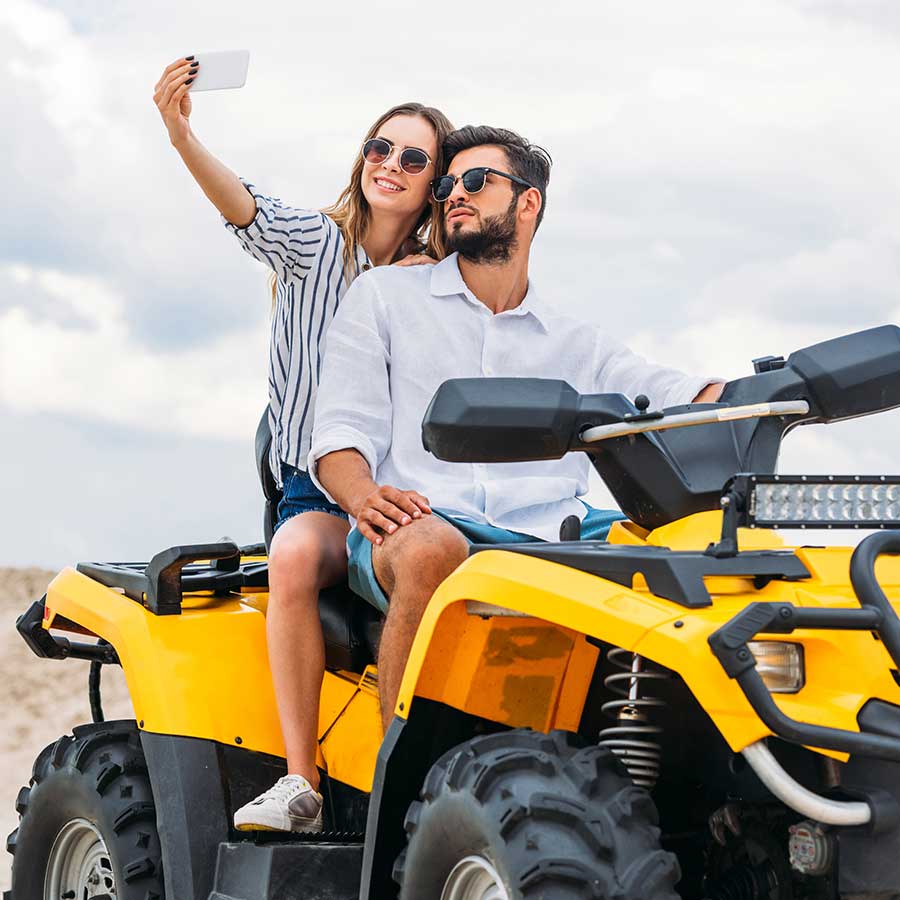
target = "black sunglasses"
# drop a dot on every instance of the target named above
(473, 181)
(412, 160)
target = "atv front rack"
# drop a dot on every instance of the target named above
(879, 721)
(676, 575)
(160, 584)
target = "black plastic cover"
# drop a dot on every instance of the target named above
(500, 419)
(658, 477)
(271, 492)
(853, 375)
(313, 871)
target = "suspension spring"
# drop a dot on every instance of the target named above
(634, 736)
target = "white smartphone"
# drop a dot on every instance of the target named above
(221, 70)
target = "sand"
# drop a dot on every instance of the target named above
(43, 698)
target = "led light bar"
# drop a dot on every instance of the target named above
(821, 501)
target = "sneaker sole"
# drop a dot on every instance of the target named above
(296, 825)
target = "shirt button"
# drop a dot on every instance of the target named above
(488, 370)
(366, 267)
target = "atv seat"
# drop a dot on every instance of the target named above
(350, 625)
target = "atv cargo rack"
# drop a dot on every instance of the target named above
(193, 567)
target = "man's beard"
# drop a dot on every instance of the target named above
(494, 242)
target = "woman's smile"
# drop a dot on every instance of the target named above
(386, 184)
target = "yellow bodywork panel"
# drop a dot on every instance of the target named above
(454, 651)
(522, 672)
(205, 673)
(504, 638)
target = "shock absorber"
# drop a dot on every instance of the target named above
(634, 736)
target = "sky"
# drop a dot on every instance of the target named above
(725, 186)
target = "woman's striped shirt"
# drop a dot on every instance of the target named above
(305, 249)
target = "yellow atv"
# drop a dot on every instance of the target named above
(691, 709)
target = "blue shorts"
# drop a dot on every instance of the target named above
(594, 527)
(300, 495)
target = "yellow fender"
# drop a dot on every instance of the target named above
(844, 669)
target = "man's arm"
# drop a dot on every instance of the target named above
(377, 508)
(353, 417)
(710, 394)
(619, 370)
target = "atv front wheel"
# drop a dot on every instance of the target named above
(88, 823)
(523, 815)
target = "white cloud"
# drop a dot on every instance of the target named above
(95, 370)
(725, 186)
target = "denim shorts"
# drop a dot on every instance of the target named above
(300, 495)
(594, 527)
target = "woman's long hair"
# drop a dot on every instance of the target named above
(352, 214)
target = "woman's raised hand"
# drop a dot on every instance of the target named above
(172, 98)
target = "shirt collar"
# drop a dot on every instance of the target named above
(447, 281)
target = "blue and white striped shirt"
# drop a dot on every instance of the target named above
(305, 249)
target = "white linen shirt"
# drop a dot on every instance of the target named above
(400, 332)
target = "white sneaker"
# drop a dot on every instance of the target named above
(290, 804)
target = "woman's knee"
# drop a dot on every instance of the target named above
(299, 554)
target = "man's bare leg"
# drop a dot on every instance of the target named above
(409, 565)
(308, 553)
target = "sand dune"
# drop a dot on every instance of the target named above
(42, 699)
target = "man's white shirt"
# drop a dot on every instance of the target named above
(400, 332)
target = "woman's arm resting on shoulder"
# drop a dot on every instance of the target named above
(416, 259)
(218, 182)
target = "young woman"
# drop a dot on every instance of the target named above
(382, 216)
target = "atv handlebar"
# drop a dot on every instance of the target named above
(657, 469)
(703, 417)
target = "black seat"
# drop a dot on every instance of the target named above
(350, 625)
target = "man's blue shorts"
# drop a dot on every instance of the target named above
(594, 527)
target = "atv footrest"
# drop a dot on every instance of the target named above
(288, 871)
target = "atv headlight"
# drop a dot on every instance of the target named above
(780, 665)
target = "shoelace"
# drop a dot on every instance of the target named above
(286, 787)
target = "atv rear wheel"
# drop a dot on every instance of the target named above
(88, 824)
(522, 815)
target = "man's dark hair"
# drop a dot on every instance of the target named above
(527, 161)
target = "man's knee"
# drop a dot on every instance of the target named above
(425, 551)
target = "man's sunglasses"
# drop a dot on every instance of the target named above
(473, 181)
(412, 160)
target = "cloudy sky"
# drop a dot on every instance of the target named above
(726, 186)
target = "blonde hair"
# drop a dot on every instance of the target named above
(352, 214)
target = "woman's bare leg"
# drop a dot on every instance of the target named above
(308, 553)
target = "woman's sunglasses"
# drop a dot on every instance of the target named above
(473, 181)
(412, 160)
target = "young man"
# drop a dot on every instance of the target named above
(399, 334)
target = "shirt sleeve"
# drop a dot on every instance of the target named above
(621, 371)
(353, 404)
(287, 240)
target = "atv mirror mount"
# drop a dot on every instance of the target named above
(732, 503)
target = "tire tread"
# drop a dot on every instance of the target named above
(567, 822)
(104, 761)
